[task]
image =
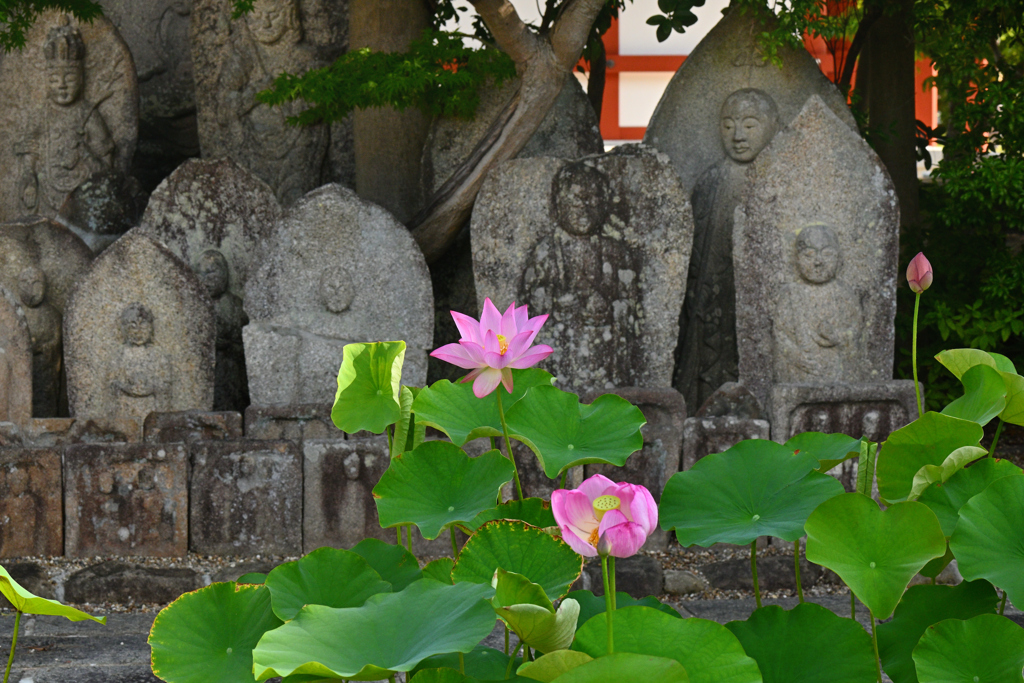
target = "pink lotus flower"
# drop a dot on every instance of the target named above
(919, 273)
(603, 517)
(494, 346)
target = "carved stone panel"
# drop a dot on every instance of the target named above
(30, 502)
(872, 410)
(602, 246)
(139, 334)
(70, 103)
(15, 362)
(192, 425)
(126, 499)
(296, 423)
(816, 266)
(706, 435)
(246, 498)
(55, 432)
(337, 270)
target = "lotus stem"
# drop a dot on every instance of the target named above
(398, 532)
(611, 580)
(874, 638)
(391, 441)
(753, 573)
(853, 604)
(506, 637)
(995, 439)
(462, 664)
(408, 537)
(565, 474)
(609, 602)
(512, 660)
(455, 552)
(796, 569)
(913, 355)
(14, 642)
(1002, 608)
(508, 444)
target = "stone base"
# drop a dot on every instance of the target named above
(291, 423)
(872, 410)
(53, 432)
(190, 426)
(706, 435)
(30, 502)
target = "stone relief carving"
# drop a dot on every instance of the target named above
(15, 362)
(141, 374)
(230, 383)
(45, 328)
(708, 355)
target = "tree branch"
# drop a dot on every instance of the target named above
(512, 35)
(571, 30)
(871, 15)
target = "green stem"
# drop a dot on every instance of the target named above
(14, 642)
(995, 439)
(398, 532)
(391, 442)
(753, 572)
(796, 569)
(1002, 606)
(506, 637)
(529, 654)
(874, 640)
(609, 602)
(408, 537)
(508, 444)
(392, 678)
(611, 581)
(455, 548)
(853, 604)
(512, 660)
(565, 473)
(462, 664)
(913, 355)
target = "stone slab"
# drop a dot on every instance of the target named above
(706, 435)
(291, 423)
(62, 431)
(129, 584)
(192, 425)
(873, 410)
(639, 576)
(31, 502)
(126, 499)
(246, 498)
(15, 362)
(776, 572)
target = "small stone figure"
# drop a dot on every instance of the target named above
(71, 141)
(142, 376)
(231, 387)
(44, 324)
(817, 319)
(708, 356)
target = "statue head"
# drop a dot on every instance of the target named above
(352, 466)
(212, 269)
(817, 254)
(749, 121)
(137, 325)
(271, 20)
(336, 292)
(64, 51)
(583, 197)
(32, 286)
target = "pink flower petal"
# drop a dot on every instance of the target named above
(508, 321)
(522, 319)
(535, 355)
(610, 519)
(519, 344)
(644, 510)
(506, 379)
(490, 318)
(469, 328)
(474, 351)
(486, 382)
(534, 324)
(572, 506)
(491, 344)
(472, 376)
(578, 544)
(496, 360)
(622, 540)
(456, 355)
(624, 492)
(595, 486)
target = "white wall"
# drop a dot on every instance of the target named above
(636, 37)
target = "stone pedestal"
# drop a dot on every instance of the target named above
(292, 423)
(192, 425)
(63, 431)
(871, 410)
(30, 502)
(706, 435)
(246, 498)
(126, 499)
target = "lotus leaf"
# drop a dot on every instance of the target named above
(987, 648)
(940, 474)
(946, 500)
(395, 564)
(368, 387)
(829, 449)
(627, 667)
(327, 576)
(552, 665)
(591, 605)
(984, 395)
(533, 511)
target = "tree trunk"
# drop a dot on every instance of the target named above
(890, 102)
(543, 63)
(389, 143)
(597, 80)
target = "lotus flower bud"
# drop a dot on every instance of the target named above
(919, 273)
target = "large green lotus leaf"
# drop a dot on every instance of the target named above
(440, 570)
(454, 409)
(1014, 410)
(520, 548)
(875, 552)
(209, 634)
(481, 663)
(946, 500)
(391, 632)
(395, 564)
(708, 651)
(563, 432)
(925, 441)
(989, 538)
(438, 485)
(756, 488)
(921, 607)
(987, 648)
(1003, 364)
(534, 511)
(625, 666)
(591, 605)
(408, 432)
(829, 449)
(959, 361)
(552, 665)
(327, 576)
(368, 395)
(984, 396)
(935, 567)
(808, 644)
(439, 676)
(940, 474)
(26, 602)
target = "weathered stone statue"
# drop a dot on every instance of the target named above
(44, 324)
(707, 355)
(140, 376)
(231, 388)
(15, 362)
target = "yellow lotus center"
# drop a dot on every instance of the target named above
(502, 344)
(604, 504)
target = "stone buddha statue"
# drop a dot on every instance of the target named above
(230, 385)
(45, 328)
(141, 379)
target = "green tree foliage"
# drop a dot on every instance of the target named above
(17, 16)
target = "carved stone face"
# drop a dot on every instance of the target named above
(64, 83)
(817, 254)
(336, 292)
(32, 287)
(271, 19)
(749, 122)
(212, 269)
(352, 467)
(137, 325)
